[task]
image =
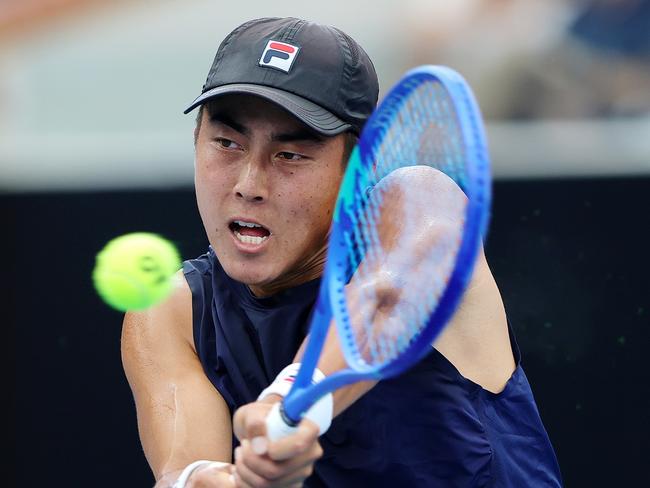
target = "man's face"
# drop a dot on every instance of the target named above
(265, 188)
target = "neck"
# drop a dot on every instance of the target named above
(307, 269)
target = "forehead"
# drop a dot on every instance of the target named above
(252, 110)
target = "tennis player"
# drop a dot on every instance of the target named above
(280, 111)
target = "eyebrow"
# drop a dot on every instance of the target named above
(298, 135)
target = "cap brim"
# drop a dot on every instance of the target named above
(315, 116)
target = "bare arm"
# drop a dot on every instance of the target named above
(181, 416)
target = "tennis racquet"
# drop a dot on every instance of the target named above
(411, 214)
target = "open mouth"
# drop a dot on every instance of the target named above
(249, 232)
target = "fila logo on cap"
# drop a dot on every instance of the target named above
(279, 55)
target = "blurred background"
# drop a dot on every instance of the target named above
(93, 144)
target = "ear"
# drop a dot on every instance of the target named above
(197, 128)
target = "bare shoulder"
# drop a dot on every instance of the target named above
(477, 341)
(160, 336)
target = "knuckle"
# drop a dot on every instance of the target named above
(272, 472)
(241, 412)
(253, 422)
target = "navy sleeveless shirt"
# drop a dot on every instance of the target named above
(429, 427)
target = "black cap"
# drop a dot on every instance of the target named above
(316, 72)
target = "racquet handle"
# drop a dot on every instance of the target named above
(276, 426)
(320, 413)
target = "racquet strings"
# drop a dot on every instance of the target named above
(400, 275)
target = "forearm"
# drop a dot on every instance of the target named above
(181, 416)
(186, 423)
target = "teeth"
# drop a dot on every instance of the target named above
(246, 224)
(250, 239)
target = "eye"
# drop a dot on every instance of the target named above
(289, 156)
(227, 143)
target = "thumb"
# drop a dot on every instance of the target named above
(250, 420)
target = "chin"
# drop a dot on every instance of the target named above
(247, 273)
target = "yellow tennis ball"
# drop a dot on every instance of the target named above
(135, 271)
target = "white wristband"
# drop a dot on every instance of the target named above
(320, 412)
(190, 468)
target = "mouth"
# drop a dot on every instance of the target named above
(249, 233)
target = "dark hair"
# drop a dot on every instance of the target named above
(348, 144)
(351, 140)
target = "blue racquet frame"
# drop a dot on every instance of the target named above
(331, 301)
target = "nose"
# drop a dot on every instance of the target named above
(251, 185)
